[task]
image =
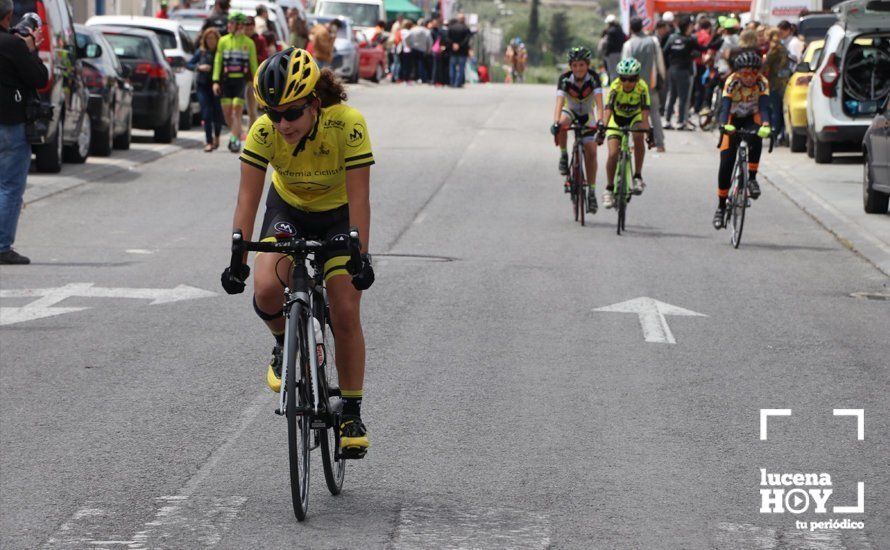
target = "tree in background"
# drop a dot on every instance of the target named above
(534, 32)
(560, 34)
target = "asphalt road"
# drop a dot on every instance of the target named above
(504, 412)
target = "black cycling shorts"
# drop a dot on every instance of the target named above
(283, 220)
(233, 90)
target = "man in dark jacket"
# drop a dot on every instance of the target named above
(459, 41)
(21, 73)
(614, 41)
(680, 51)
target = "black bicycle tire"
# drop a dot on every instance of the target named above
(582, 194)
(739, 205)
(295, 398)
(573, 183)
(333, 480)
(619, 190)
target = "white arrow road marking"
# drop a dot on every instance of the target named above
(764, 418)
(651, 313)
(48, 297)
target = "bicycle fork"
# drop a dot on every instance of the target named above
(299, 302)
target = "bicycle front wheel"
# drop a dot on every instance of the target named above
(739, 204)
(621, 190)
(333, 464)
(298, 425)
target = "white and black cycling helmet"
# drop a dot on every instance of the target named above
(747, 59)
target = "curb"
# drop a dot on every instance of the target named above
(844, 229)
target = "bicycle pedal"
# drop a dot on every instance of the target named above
(353, 453)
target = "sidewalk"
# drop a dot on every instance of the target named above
(829, 193)
(142, 150)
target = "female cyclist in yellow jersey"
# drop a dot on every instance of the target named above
(321, 156)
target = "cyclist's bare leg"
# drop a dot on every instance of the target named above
(268, 291)
(612, 162)
(345, 304)
(562, 138)
(590, 162)
(639, 151)
(237, 108)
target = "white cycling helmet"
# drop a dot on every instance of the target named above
(610, 18)
(668, 17)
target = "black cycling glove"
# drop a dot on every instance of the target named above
(363, 276)
(233, 283)
(555, 128)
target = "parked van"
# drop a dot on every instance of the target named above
(363, 13)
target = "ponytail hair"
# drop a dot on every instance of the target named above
(329, 88)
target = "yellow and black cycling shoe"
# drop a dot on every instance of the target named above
(353, 438)
(273, 373)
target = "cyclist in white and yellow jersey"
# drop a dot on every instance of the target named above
(321, 156)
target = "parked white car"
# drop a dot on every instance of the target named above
(178, 49)
(364, 14)
(851, 80)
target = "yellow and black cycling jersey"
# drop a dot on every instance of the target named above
(745, 100)
(628, 104)
(311, 175)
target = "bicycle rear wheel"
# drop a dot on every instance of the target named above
(739, 204)
(334, 467)
(298, 425)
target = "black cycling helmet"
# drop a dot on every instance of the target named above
(747, 60)
(579, 53)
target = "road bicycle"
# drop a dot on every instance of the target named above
(622, 183)
(309, 397)
(737, 201)
(578, 188)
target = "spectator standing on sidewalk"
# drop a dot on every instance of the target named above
(663, 31)
(262, 53)
(219, 18)
(21, 73)
(794, 45)
(614, 41)
(321, 45)
(459, 46)
(299, 30)
(645, 49)
(703, 37)
(211, 108)
(420, 41)
(162, 13)
(439, 74)
(778, 68)
(680, 51)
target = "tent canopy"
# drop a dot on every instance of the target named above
(698, 6)
(403, 7)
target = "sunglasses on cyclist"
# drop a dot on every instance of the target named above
(629, 78)
(290, 115)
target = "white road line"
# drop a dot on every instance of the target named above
(181, 520)
(423, 527)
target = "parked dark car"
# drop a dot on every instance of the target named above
(68, 133)
(111, 95)
(876, 174)
(155, 94)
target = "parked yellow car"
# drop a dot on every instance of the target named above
(794, 103)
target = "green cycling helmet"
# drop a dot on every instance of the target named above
(237, 17)
(629, 67)
(579, 53)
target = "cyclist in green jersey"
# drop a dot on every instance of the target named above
(627, 105)
(234, 64)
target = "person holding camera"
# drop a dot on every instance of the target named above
(21, 73)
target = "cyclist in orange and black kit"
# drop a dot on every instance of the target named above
(745, 105)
